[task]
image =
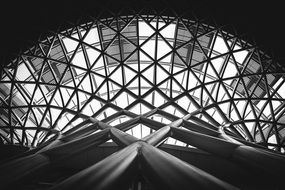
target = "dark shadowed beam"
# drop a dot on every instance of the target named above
(157, 137)
(121, 138)
(257, 159)
(25, 167)
(177, 174)
(114, 172)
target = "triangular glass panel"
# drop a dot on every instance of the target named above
(168, 31)
(128, 74)
(92, 107)
(67, 78)
(106, 113)
(267, 110)
(57, 99)
(220, 45)
(132, 60)
(162, 49)
(182, 79)
(240, 90)
(207, 98)
(249, 112)
(113, 49)
(276, 104)
(117, 75)
(218, 63)
(31, 122)
(103, 91)
(139, 131)
(29, 87)
(192, 81)
(176, 88)
(99, 64)
(230, 71)
(222, 94)
(144, 57)
(18, 98)
(47, 76)
(111, 64)
(134, 86)
(92, 36)
(211, 72)
(260, 90)
(86, 84)
(149, 74)
(82, 98)
(97, 80)
(66, 94)
(144, 86)
(23, 73)
(185, 53)
(123, 100)
(78, 71)
(234, 115)
(252, 67)
(197, 94)
(240, 55)
(183, 34)
(161, 74)
(55, 113)
(39, 97)
(39, 112)
(92, 55)
(130, 31)
(155, 98)
(184, 102)
(145, 30)
(113, 89)
(173, 110)
(178, 68)
(139, 109)
(149, 48)
(70, 44)
(127, 47)
(107, 35)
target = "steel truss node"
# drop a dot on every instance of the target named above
(119, 102)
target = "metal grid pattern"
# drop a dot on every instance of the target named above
(155, 68)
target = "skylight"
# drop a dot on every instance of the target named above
(148, 63)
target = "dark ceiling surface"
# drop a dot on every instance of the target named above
(261, 22)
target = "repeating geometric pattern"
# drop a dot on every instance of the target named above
(162, 68)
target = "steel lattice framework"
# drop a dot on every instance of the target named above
(144, 81)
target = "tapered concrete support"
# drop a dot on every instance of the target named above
(128, 124)
(205, 142)
(157, 137)
(200, 128)
(152, 123)
(121, 138)
(257, 159)
(268, 162)
(114, 172)
(76, 146)
(165, 171)
(21, 168)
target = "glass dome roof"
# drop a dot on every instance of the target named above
(159, 67)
